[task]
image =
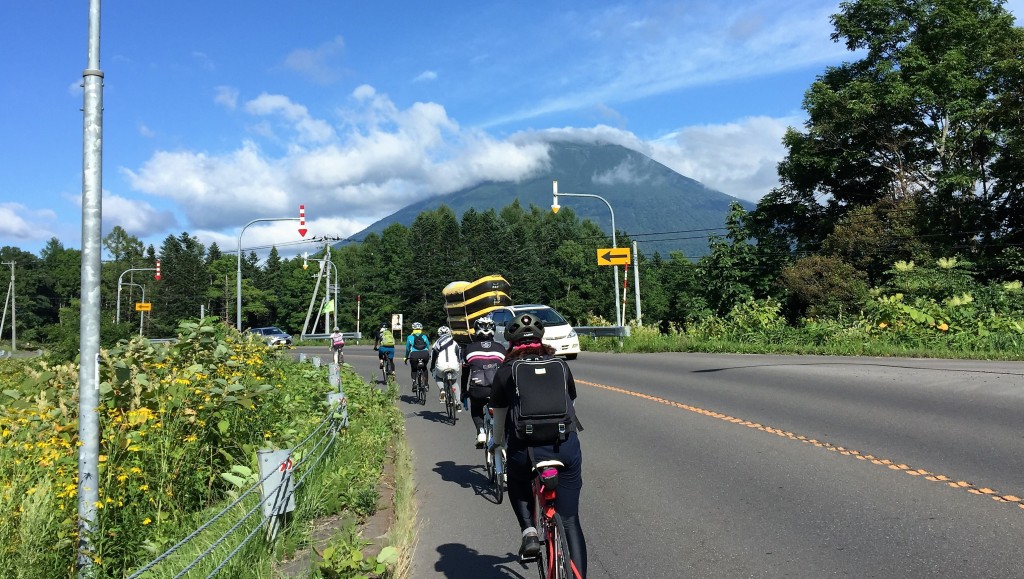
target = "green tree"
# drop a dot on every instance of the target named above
(927, 113)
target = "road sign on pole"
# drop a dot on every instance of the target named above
(143, 306)
(614, 256)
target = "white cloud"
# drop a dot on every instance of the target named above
(625, 56)
(226, 96)
(20, 222)
(317, 64)
(426, 75)
(135, 216)
(737, 158)
(145, 131)
(381, 158)
(309, 129)
(624, 172)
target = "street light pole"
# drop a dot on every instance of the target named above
(142, 314)
(14, 309)
(238, 276)
(555, 207)
(117, 318)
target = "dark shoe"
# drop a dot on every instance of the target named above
(529, 550)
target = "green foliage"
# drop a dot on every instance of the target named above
(344, 558)
(181, 424)
(824, 286)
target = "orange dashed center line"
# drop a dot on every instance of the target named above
(912, 471)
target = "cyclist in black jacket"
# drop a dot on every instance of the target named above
(524, 335)
(480, 360)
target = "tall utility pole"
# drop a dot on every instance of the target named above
(14, 309)
(89, 326)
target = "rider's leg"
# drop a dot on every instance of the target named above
(567, 501)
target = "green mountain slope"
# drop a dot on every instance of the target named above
(646, 196)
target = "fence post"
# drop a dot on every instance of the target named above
(316, 361)
(276, 473)
(302, 357)
(334, 375)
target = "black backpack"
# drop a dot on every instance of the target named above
(543, 412)
(419, 342)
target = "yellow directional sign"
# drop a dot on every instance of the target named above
(613, 256)
(143, 306)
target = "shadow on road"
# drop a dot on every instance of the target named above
(458, 561)
(466, 476)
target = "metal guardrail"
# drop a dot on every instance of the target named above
(347, 335)
(603, 331)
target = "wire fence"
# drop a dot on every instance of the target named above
(277, 497)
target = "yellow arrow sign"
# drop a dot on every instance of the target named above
(613, 256)
(143, 306)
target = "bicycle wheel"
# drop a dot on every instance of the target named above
(449, 405)
(499, 475)
(421, 388)
(488, 455)
(558, 547)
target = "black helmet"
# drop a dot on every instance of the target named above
(524, 327)
(483, 327)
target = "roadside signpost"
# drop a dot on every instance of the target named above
(143, 306)
(614, 256)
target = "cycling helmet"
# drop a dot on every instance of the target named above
(444, 331)
(417, 326)
(484, 327)
(524, 327)
(383, 325)
(335, 328)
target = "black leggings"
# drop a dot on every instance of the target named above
(567, 501)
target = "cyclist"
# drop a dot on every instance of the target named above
(338, 345)
(480, 360)
(417, 349)
(524, 338)
(385, 346)
(445, 355)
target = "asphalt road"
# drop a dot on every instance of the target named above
(699, 465)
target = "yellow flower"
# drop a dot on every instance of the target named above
(147, 521)
(882, 325)
(135, 470)
(143, 487)
(98, 504)
(943, 326)
(103, 458)
(31, 491)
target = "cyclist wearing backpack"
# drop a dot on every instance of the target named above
(445, 355)
(480, 360)
(538, 391)
(417, 349)
(385, 346)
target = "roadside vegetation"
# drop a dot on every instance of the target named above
(181, 424)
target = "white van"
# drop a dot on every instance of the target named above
(557, 332)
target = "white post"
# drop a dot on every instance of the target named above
(636, 283)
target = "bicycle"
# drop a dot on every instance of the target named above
(339, 356)
(554, 561)
(387, 368)
(451, 395)
(419, 383)
(494, 462)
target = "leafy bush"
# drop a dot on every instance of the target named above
(173, 419)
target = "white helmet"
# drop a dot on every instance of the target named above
(483, 327)
(444, 331)
(417, 326)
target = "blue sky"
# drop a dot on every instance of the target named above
(217, 113)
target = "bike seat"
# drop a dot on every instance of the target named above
(549, 464)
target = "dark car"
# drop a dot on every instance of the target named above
(272, 336)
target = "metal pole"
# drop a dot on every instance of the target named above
(554, 185)
(117, 318)
(89, 326)
(142, 313)
(238, 277)
(636, 284)
(14, 305)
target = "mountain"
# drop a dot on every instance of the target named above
(646, 196)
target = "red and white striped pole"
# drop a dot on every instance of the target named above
(302, 220)
(157, 276)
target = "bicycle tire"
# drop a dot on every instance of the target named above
(421, 388)
(499, 475)
(559, 549)
(488, 455)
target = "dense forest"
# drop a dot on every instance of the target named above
(904, 190)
